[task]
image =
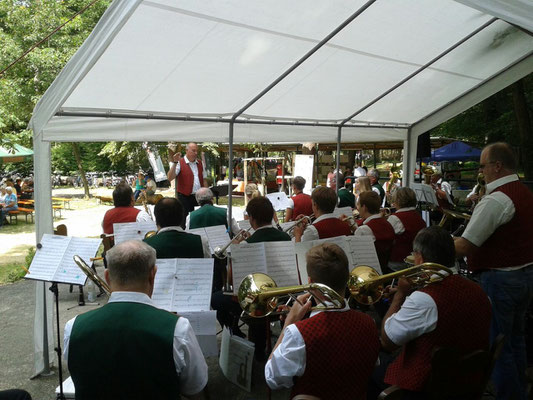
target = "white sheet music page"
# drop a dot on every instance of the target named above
(217, 236)
(281, 263)
(204, 326)
(192, 290)
(247, 258)
(164, 283)
(364, 252)
(342, 242)
(68, 271)
(132, 230)
(48, 258)
(301, 250)
(343, 210)
(279, 200)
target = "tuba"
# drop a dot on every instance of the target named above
(91, 274)
(366, 285)
(258, 295)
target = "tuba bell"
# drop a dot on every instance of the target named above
(258, 295)
(366, 285)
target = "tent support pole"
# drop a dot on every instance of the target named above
(407, 173)
(338, 159)
(230, 176)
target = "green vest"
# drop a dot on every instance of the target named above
(268, 235)
(175, 244)
(207, 215)
(346, 198)
(381, 191)
(124, 351)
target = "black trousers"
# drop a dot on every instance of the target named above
(188, 203)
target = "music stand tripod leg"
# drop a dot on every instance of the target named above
(61, 395)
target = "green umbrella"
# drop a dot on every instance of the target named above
(16, 154)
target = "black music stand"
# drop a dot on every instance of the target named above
(221, 190)
(61, 395)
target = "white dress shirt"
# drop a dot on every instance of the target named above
(188, 358)
(395, 221)
(143, 216)
(194, 168)
(289, 358)
(310, 232)
(205, 243)
(359, 171)
(365, 230)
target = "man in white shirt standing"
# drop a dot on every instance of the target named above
(498, 245)
(129, 349)
(190, 175)
(332, 353)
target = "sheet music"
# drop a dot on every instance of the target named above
(342, 242)
(132, 230)
(429, 194)
(247, 258)
(279, 200)
(236, 359)
(217, 236)
(164, 283)
(68, 271)
(364, 252)
(343, 210)
(301, 250)
(281, 263)
(245, 225)
(194, 278)
(204, 325)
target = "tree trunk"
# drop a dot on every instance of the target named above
(76, 150)
(524, 128)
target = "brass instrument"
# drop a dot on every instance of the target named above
(99, 282)
(367, 286)
(428, 172)
(145, 205)
(481, 185)
(258, 295)
(351, 220)
(221, 252)
(448, 214)
(386, 211)
(149, 234)
(290, 229)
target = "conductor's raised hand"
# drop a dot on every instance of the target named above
(176, 157)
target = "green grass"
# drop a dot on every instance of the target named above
(13, 271)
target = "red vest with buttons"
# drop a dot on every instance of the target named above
(384, 234)
(302, 205)
(341, 352)
(464, 314)
(403, 244)
(331, 227)
(186, 177)
(508, 246)
(119, 215)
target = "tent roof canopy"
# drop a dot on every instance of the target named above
(283, 71)
(455, 151)
(16, 154)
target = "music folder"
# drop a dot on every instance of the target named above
(54, 262)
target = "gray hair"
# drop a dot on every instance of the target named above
(435, 244)
(373, 172)
(130, 262)
(204, 195)
(9, 188)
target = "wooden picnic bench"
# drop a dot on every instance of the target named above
(66, 201)
(58, 209)
(14, 214)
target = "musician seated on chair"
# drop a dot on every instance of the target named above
(171, 241)
(124, 210)
(406, 222)
(454, 312)
(326, 224)
(208, 214)
(261, 213)
(129, 349)
(300, 203)
(331, 354)
(375, 226)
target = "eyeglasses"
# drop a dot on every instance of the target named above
(482, 166)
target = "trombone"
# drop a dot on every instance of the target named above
(91, 274)
(221, 252)
(447, 214)
(290, 230)
(258, 295)
(366, 285)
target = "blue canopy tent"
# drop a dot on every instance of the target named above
(455, 151)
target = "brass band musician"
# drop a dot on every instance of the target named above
(300, 203)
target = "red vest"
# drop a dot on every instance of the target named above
(464, 314)
(384, 233)
(509, 245)
(302, 205)
(403, 244)
(341, 352)
(331, 227)
(186, 177)
(118, 215)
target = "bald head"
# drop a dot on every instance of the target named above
(130, 265)
(191, 151)
(497, 160)
(204, 196)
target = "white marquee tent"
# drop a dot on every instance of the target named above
(277, 71)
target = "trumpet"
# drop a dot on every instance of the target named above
(91, 274)
(221, 252)
(290, 230)
(351, 221)
(367, 286)
(258, 295)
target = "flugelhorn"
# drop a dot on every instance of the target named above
(99, 282)
(366, 285)
(290, 230)
(221, 252)
(258, 295)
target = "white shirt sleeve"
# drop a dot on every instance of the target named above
(310, 233)
(473, 192)
(205, 246)
(396, 224)
(188, 359)
(187, 222)
(66, 337)
(492, 211)
(287, 361)
(375, 189)
(364, 230)
(143, 216)
(178, 168)
(445, 186)
(418, 315)
(291, 204)
(235, 226)
(204, 172)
